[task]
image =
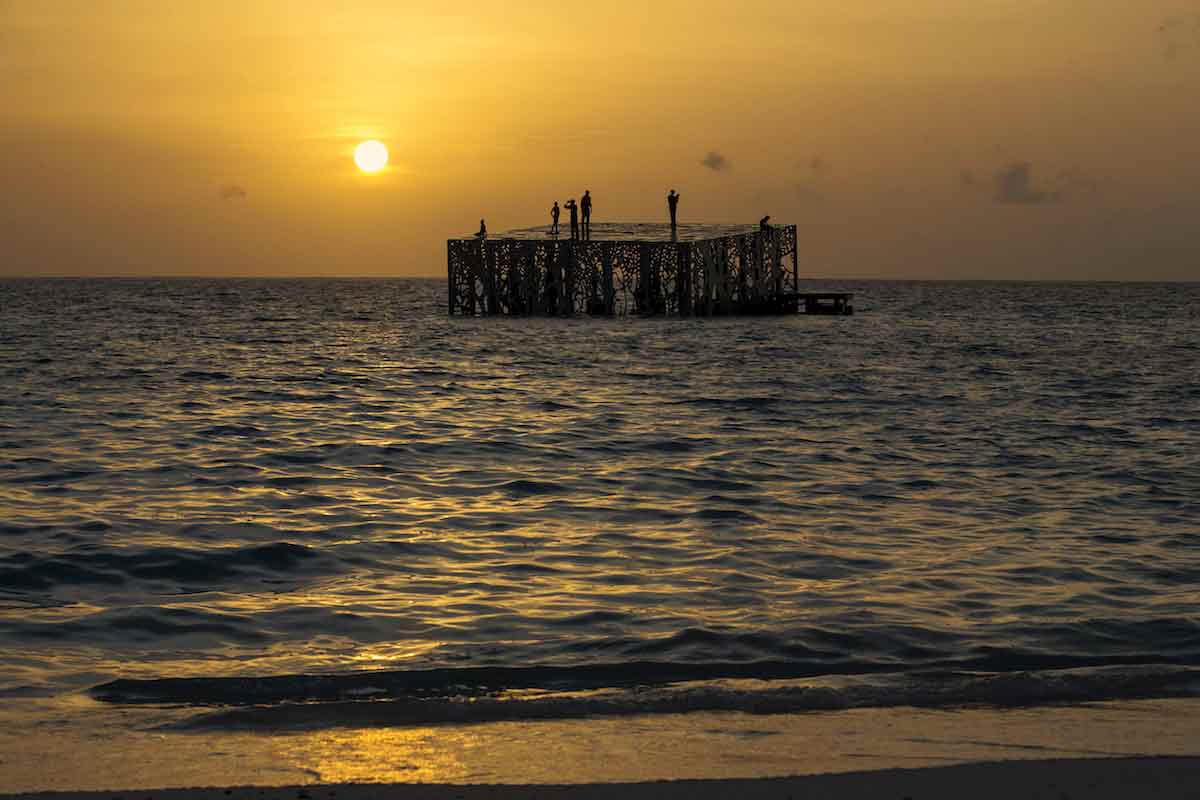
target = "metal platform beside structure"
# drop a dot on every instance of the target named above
(627, 268)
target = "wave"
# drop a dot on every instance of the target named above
(183, 568)
(374, 699)
(487, 680)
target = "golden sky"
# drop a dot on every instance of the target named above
(906, 138)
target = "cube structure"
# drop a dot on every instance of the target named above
(626, 268)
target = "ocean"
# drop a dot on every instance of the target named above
(264, 503)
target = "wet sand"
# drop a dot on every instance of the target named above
(1093, 750)
(1095, 779)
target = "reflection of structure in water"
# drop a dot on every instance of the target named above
(631, 268)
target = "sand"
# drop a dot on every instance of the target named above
(1130, 749)
(1094, 779)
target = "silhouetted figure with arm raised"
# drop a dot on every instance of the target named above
(574, 209)
(672, 204)
(554, 212)
(585, 206)
(482, 232)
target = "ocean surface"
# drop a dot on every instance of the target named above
(967, 493)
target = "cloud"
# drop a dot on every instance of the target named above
(1014, 184)
(715, 161)
(232, 192)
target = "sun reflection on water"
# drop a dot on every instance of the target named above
(390, 755)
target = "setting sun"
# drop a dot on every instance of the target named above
(371, 156)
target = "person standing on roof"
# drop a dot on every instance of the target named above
(574, 209)
(554, 219)
(585, 206)
(672, 204)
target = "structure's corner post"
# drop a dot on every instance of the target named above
(606, 254)
(471, 276)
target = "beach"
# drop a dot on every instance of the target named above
(132, 754)
(1094, 779)
(1104, 779)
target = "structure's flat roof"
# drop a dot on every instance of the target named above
(629, 232)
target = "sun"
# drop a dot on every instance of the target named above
(371, 156)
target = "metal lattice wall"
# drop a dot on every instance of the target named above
(740, 274)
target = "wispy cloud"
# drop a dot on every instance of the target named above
(1014, 185)
(232, 192)
(715, 161)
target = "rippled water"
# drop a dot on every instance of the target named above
(247, 478)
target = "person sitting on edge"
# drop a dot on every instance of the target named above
(585, 205)
(482, 232)
(574, 209)
(672, 204)
(554, 219)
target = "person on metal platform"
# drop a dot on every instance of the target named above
(574, 209)
(554, 219)
(585, 205)
(482, 232)
(672, 204)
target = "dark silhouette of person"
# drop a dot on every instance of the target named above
(672, 204)
(574, 209)
(482, 232)
(764, 224)
(554, 219)
(585, 205)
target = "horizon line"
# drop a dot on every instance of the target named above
(367, 277)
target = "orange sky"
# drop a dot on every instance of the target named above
(914, 139)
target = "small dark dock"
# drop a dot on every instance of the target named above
(633, 269)
(833, 303)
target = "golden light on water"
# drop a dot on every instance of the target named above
(371, 156)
